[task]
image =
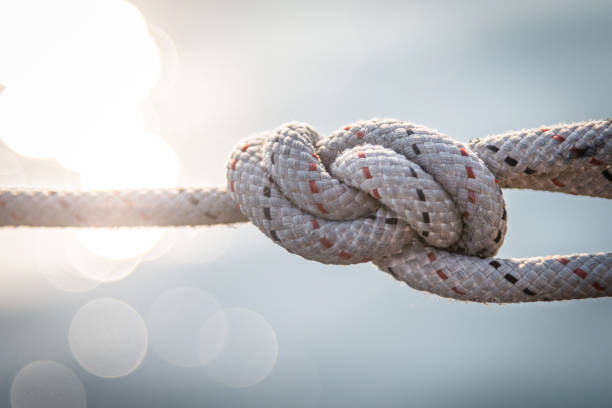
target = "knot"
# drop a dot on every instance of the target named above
(367, 191)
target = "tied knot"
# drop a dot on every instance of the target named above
(367, 191)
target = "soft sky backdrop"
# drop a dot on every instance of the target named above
(328, 336)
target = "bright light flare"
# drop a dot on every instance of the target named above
(74, 73)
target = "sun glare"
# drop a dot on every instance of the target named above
(73, 74)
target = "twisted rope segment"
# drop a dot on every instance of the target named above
(424, 208)
(118, 208)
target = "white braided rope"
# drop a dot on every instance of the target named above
(428, 210)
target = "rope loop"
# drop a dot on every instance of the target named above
(367, 191)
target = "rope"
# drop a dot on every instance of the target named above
(424, 208)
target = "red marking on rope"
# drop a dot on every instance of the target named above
(313, 186)
(234, 164)
(316, 156)
(232, 185)
(496, 181)
(431, 256)
(365, 260)
(314, 223)
(320, 207)
(544, 130)
(564, 261)
(326, 243)
(596, 162)
(471, 196)
(246, 146)
(345, 255)
(558, 138)
(580, 273)
(359, 134)
(469, 171)
(361, 155)
(375, 193)
(463, 151)
(15, 216)
(347, 127)
(597, 286)
(312, 166)
(441, 274)
(557, 182)
(366, 172)
(466, 214)
(457, 291)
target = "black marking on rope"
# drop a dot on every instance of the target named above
(392, 272)
(420, 194)
(498, 237)
(529, 171)
(274, 236)
(266, 191)
(510, 161)
(606, 173)
(416, 149)
(493, 148)
(510, 278)
(272, 158)
(413, 173)
(547, 299)
(504, 215)
(372, 217)
(426, 217)
(391, 221)
(194, 201)
(576, 152)
(409, 132)
(495, 264)
(267, 213)
(528, 292)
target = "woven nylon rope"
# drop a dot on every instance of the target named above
(424, 208)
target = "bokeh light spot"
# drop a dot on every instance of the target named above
(108, 338)
(250, 350)
(202, 245)
(47, 384)
(175, 321)
(55, 265)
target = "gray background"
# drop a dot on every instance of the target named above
(351, 336)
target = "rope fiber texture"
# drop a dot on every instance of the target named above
(424, 208)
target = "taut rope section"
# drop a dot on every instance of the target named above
(424, 208)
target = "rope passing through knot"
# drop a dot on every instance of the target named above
(421, 206)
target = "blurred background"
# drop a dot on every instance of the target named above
(155, 93)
